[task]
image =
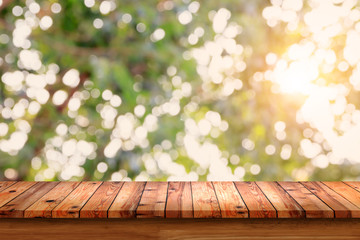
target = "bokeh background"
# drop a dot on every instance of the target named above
(179, 90)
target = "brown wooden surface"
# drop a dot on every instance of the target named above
(99, 203)
(71, 205)
(126, 202)
(188, 229)
(313, 206)
(205, 200)
(256, 202)
(284, 204)
(346, 190)
(180, 200)
(13, 191)
(342, 207)
(16, 207)
(230, 201)
(153, 200)
(5, 184)
(44, 206)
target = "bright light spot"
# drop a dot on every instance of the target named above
(255, 169)
(220, 20)
(248, 144)
(140, 27)
(204, 127)
(4, 128)
(69, 147)
(56, 8)
(61, 129)
(11, 174)
(320, 161)
(194, 7)
(30, 59)
(286, 150)
(126, 18)
(112, 148)
(199, 31)
(185, 17)
(279, 126)
(105, 7)
(107, 95)
(71, 78)
(310, 149)
(46, 22)
(139, 110)
(59, 97)
(34, 7)
(36, 163)
(271, 58)
(17, 11)
(98, 23)
(270, 149)
(34, 107)
(74, 104)
(239, 172)
(102, 167)
(115, 101)
(235, 160)
(157, 35)
(89, 3)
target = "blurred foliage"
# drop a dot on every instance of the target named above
(117, 50)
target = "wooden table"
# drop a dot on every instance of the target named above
(203, 210)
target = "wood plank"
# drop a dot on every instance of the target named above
(179, 201)
(5, 184)
(313, 206)
(284, 204)
(342, 207)
(43, 207)
(346, 191)
(187, 229)
(16, 207)
(257, 203)
(204, 200)
(230, 201)
(153, 200)
(71, 205)
(126, 202)
(100, 202)
(353, 184)
(13, 191)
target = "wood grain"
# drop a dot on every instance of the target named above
(13, 191)
(5, 184)
(100, 202)
(353, 184)
(179, 201)
(187, 229)
(257, 203)
(43, 207)
(126, 202)
(313, 206)
(204, 200)
(230, 201)
(342, 207)
(153, 200)
(16, 207)
(71, 205)
(284, 204)
(346, 191)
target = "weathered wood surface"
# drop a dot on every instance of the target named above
(180, 200)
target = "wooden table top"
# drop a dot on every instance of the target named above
(179, 199)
